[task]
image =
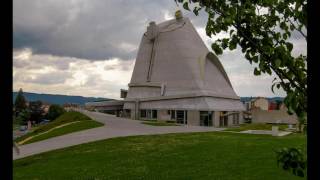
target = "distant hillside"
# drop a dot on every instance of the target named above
(270, 99)
(57, 99)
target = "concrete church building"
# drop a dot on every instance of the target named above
(175, 77)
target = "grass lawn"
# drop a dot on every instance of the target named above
(256, 126)
(159, 123)
(209, 155)
(84, 123)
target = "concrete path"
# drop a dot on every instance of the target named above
(114, 127)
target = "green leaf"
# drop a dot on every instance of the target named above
(272, 88)
(261, 66)
(228, 20)
(284, 35)
(255, 59)
(256, 72)
(247, 56)
(196, 11)
(291, 27)
(283, 25)
(289, 46)
(277, 36)
(277, 63)
(269, 71)
(231, 31)
(232, 44)
(224, 43)
(216, 48)
(186, 6)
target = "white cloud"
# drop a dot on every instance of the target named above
(82, 77)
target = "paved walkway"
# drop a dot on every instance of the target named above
(114, 127)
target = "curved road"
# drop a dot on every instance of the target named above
(114, 127)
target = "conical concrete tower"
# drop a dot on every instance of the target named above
(174, 70)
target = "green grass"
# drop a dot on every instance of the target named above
(255, 126)
(78, 126)
(68, 117)
(210, 155)
(159, 123)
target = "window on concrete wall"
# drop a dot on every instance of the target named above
(149, 114)
(235, 118)
(143, 113)
(223, 119)
(173, 114)
(205, 118)
(186, 117)
(127, 113)
(154, 114)
(181, 117)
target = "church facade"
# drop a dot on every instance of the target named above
(177, 78)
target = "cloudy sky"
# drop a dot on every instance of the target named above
(88, 47)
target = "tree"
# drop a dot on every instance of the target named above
(55, 111)
(36, 111)
(262, 29)
(20, 103)
(24, 117)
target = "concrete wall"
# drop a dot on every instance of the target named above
(216, 119)
(163, 115)
(193, 118)
(132, 115)
(262, 116)
(143, 92)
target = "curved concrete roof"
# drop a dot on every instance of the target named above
(174, 61)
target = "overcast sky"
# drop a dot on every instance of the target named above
(88, 47)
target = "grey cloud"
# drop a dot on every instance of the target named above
(84, 29)
(49, 78)
(109, 68)
(19, 63)
(123, 65)
(40, 61)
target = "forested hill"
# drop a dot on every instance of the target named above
(62, 99)
(270, 99)
(58, 99)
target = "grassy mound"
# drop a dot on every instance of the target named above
(210, 155)
(76, 122)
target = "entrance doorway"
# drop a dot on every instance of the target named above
(223, 119)
(205, 118)
(181, 117)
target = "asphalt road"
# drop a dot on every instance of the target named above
(114, 127)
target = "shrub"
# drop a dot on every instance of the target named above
(171, 121)
(55, 111)
(292, 160)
